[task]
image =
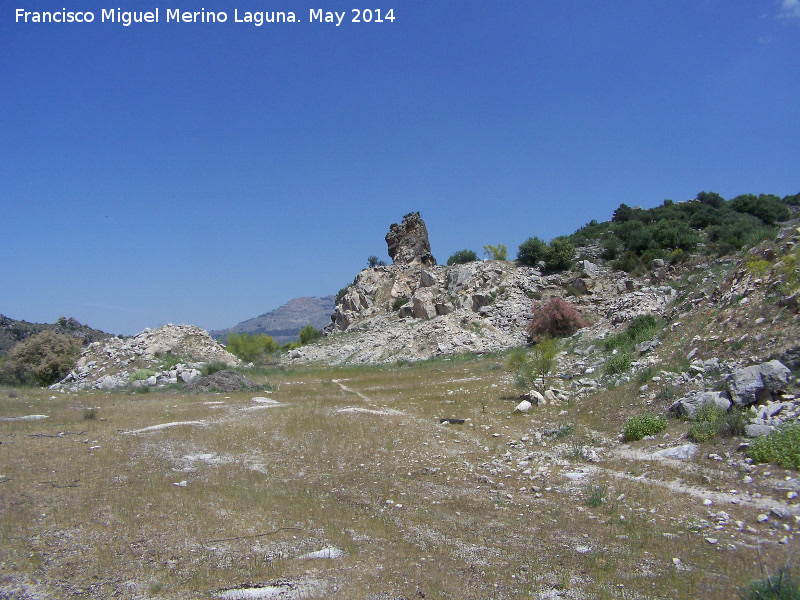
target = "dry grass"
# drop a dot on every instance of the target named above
(420, 509)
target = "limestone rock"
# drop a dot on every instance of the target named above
(757, 383)
(408, 242)
(689, 405)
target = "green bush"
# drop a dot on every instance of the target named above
(559, 254)
(706, 423)
(255, 348)
(42, 359)
(618, 363)
(374, 261)
(309, 334)
(399, 303)
(462, 257)
(781, 447)
(767, 207)
(532, 251)
(638, 427)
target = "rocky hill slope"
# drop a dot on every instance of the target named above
(12, 331)
(285, 322)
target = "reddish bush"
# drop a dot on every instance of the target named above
(556, 318)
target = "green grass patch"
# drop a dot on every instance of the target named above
(641, 329)
(781, 447)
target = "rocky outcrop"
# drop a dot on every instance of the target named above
(758, 383)
(408, 242)
(411, 312)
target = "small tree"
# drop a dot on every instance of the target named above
(556, 318)
(374, 261)
(461, 257)
(308, 334)
(531, 368)
(499, 252)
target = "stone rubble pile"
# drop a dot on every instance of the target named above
(112, 363)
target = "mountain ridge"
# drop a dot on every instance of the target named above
(285, 322)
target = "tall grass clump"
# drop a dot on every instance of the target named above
(781, 447)
(640, 426)
(784, 585)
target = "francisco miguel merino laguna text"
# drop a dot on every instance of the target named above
(127, 18)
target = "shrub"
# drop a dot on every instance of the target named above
(758, 266)
(141, 374)
(767, 207)
(706, 422)
(532, 251)
(638, 427)
(462, 257)
(618, 363)
(556, 318)
(309, 334)
(374, 261)
(499, 252)
(631, 263)
(42, 359)
(611, 245)
(559, 254)
(399, 303)
(781, 447)
(253, 348)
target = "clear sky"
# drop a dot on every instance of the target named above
(206, 173)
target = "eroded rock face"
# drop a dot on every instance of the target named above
(408, 242)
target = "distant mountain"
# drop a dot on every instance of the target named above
(12, 331)
(285, 322)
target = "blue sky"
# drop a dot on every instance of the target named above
(206, 173)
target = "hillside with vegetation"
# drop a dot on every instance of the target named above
(614, 414)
